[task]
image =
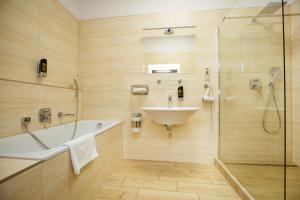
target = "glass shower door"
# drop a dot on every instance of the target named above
(252, 97)
(293, 58)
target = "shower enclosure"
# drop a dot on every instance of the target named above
(259, 62)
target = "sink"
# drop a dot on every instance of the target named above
(170, 116)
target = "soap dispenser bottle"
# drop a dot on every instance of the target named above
(180, 90)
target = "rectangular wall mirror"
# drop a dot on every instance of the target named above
(170, 54)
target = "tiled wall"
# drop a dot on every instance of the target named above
(295, 31)
(31, 30)
(111, 60)
(249, 51)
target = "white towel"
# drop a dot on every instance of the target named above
(82, 150)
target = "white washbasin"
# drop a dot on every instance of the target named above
(170, 116)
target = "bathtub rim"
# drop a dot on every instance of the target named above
(61, 148)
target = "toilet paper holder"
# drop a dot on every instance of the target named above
(139, 89)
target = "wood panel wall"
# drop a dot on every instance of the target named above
(111, 60)
(31, 30)
(27, 185)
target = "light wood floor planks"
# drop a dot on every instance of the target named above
(148, 180)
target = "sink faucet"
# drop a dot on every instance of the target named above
(170, 101)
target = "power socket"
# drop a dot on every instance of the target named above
(25, 121)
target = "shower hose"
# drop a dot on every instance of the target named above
(76, 120)
(36, 138)
(271, 97)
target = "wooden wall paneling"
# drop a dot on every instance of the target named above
(32, 30)
(111, 60)
(25, 186)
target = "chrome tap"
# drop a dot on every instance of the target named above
(170, 103)
(61, 114)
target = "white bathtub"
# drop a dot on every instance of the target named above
(24, 146)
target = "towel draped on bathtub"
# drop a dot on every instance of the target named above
(82, 151)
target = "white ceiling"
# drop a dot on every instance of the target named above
(73, 6)
(87, 9)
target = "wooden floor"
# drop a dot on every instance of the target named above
(267, 182)
(147, 180)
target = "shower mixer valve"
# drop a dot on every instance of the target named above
(45, 115)
(255, 84)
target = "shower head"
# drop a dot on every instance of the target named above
(271, 8)
(76, 87)
(274, 72)
(75, 83)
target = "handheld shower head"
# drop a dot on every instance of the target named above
(274, 72)
(76, 87)
(75, 83)
(77, 99)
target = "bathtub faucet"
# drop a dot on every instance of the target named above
(61, 114)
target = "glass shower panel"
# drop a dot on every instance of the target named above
(293, 59)
(252, 97)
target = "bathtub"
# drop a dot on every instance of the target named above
(24, 146)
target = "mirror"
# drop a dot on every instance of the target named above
(170, 54)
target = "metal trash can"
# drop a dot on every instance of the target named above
(136, 122)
